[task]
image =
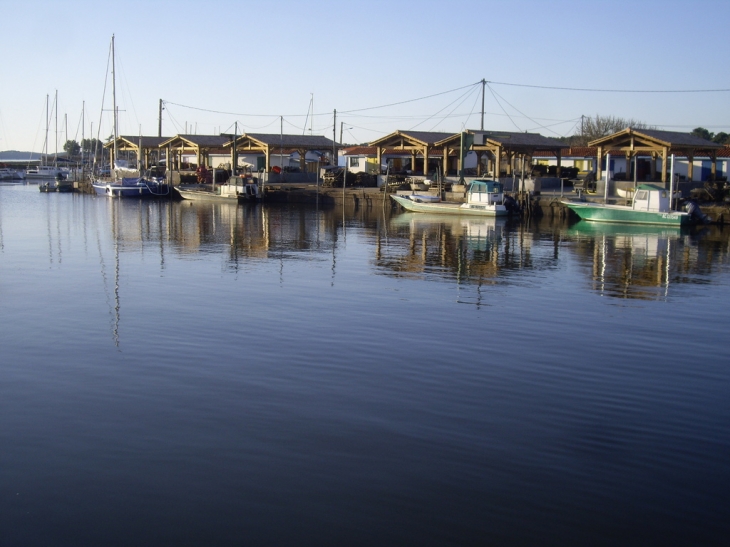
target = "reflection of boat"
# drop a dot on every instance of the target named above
(484, 198)
(592, 229)
(477, 231)
(248, 191)
(650, 205)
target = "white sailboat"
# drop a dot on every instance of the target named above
(136, 187)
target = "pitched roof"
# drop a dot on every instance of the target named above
(671, 139)
(214, 141)
(311, 142)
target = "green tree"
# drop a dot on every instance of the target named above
(702, 133)
(721, 138)
(92, 146)
(72, 148)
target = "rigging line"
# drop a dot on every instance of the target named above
(454, 109)
(463, 97)
(412, 100)
(463, 126)
(614, 90)
(232, 113)
(525, 115)
(500, 106)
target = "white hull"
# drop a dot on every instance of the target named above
(451, 208)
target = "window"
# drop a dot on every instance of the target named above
(354, 162)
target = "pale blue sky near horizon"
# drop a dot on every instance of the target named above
(252, 63)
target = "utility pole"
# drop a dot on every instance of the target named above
(484, 84)
(334, 141)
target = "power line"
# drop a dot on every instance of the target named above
(614, 90)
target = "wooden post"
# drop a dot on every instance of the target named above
(445, 166)
(690, 165)
(664, 164)
(599, 159)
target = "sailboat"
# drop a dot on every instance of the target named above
(136, 187)
(44, 171)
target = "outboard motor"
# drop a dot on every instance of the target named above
(695, 213)
(511, 205)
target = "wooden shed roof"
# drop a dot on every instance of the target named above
(131, 142)
(405, 139)
(655, 138)
(275, 140)
(196, 141)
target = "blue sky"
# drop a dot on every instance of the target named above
(252, 63)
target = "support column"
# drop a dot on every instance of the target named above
(425, 161)
(664, 164)
(379, 158)
(599, 159)
(560, 162)
(445, 166)
(713, 167)
(302, 160)
(652, 165)
(690, 166)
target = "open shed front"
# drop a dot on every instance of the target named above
(655, 144)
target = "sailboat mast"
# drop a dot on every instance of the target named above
(114, 103)
(45, 143)
(55, 107)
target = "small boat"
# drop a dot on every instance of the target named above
(248, 191)
(60, 184)
(131, 187)
(650, 205)
(484, 198)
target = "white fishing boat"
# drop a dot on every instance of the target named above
(483, 198)
(247, 190)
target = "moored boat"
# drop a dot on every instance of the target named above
(484, 198)
(650, 205)
(131, 187)
(248, 191)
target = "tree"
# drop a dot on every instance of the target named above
(602, 126)
(72, 148)
(702, 133)
(91, 146)
(721, 138)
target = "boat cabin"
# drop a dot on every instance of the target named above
(485, 191)
(649, 197)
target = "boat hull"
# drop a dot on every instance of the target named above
(143, 189)
(230, 194)
(451, 208)
(597, 212)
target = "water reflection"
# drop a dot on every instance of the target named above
(644, 262)
(617, 261)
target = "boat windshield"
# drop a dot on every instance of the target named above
(485, 187)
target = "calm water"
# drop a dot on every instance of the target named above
(187, 374)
